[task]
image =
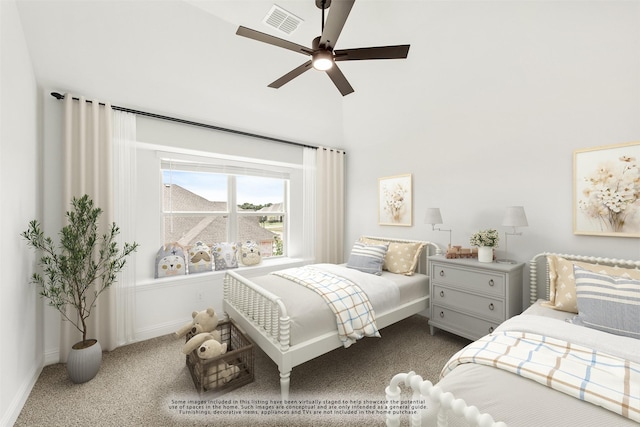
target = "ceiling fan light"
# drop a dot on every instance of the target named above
(322, 60)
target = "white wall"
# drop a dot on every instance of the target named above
(486, 113)
(163, 305)
(20, 308)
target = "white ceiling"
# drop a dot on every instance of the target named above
(182, 57)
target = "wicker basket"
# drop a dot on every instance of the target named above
(227, 371)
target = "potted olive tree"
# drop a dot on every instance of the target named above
(74, 274)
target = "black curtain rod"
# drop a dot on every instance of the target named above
(191, 123)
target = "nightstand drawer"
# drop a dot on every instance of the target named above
(491, 308)
(476, 280)
(461, 324)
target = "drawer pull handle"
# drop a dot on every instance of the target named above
(442, 294)
(490, 329)
(491, 282)
(491, 306)
(441, 273)
(442, 314)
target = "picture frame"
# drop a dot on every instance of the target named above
(606, 191)
(395, 200)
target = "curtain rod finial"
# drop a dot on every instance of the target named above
(57, 95)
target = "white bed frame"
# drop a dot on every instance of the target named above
(263, 316)
(445, 403)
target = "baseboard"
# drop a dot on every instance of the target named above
(51, 357)
(19, 399)
(158, 330)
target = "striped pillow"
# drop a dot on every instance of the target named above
(607, 303)
(367, 258)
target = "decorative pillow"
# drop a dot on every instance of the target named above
(200, 259)
(170, 261)
(367, 258)
(225, 255)
(250, 253)
(401, 258)
(562, 283)
(608, 303)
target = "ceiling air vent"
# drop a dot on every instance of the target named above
(282, 20)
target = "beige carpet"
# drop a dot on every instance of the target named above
(148, 384)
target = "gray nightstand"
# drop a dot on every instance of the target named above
(471, 298)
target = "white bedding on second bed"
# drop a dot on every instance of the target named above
(524, 403)
(311, 316)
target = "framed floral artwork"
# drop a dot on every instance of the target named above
(395, 200)
(606, 191)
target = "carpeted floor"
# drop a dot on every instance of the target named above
(148, 384)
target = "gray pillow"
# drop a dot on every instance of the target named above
(607, 303)
(367, 258)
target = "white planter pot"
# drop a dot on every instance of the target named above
(83, 364)
(485, 254)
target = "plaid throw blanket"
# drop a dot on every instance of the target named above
(607, 381)
(354, 314)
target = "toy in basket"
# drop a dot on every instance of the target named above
(220, 366)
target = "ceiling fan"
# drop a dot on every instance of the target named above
(323, 55)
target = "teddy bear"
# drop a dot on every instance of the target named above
(203, 321)
(200, 259)
(207, 347)
(250, 253)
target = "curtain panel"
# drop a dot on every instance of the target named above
(88, 140)
(125, 207)
(330, 205)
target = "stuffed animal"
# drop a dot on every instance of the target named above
(203, 321)
(250, 253)
(170, 261)
(207, 347)
(225, 255)
(199, 258)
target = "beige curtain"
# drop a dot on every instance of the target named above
(125, 208)
(330, 205)
(88, 170)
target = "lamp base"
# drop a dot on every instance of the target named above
(506, 261)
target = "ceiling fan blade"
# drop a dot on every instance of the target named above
(339, 80)
(379, 52)
(338, 13)
(275, 41)
(291, 75)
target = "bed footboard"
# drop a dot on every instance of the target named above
(262, 308)
(438, 407)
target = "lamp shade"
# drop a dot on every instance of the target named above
(433, 216)
(515, 217)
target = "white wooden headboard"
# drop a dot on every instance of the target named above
(539, 270)
(430, 249)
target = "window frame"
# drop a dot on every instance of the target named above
(231, 169)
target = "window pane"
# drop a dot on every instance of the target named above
(194, 191)
(259, 191)
(187, 230)
(265, 230)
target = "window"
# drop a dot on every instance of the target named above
(221, 203)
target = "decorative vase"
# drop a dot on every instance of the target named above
(84, 363)
(485, 254)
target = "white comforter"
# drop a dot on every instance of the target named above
(383, 293)
(355, 317)
(310, 316)
(615, 345)
(524, 403)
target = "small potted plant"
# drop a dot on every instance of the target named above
(485, 240)
(75, 273)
